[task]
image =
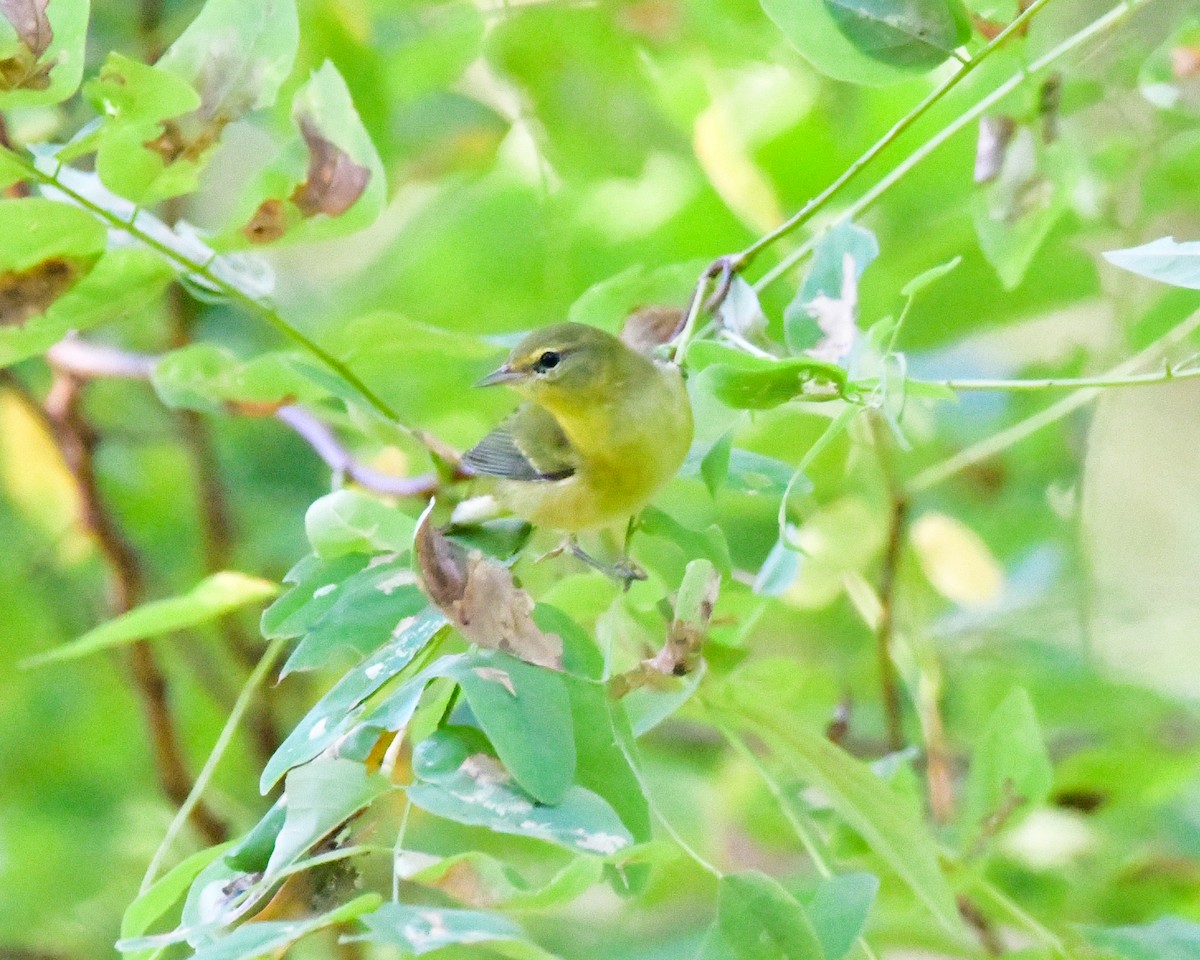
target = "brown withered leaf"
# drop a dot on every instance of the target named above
(650, 327)
(477, 594)
(334, 181)
(28, 18)
(25, 294)
(1185, 62)
(995, 134)
(268, 223)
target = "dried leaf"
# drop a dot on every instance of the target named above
(650, 327)
(25, 294)
(991, 147)
(268, 223)
(1185, 62)
(28, 18)
(496, 675)
(479, 597)
(835, 317)
(334, 181)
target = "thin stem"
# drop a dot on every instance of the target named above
(240, 706)
(1018, 915)
(813, 206)
(998, 442)
(1095, 28)
(1103, 381)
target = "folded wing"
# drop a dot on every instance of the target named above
(529, 445)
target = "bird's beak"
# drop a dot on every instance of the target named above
(505, 374)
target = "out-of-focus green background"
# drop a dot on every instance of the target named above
(533, 151)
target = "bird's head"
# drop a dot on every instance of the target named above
(565, 365)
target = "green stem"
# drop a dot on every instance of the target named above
(1001, 901)
(240, 706)
(998, 442)
(231, 292)
(813, 206)
(1102, 382)
(1095, 28)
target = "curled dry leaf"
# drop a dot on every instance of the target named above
(268, 223)
(25, 294)
(334, 181)
(650, 327)
(28, 18)
(995, 133)
(24, 70)
(479, 597)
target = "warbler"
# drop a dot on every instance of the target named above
(602, 429)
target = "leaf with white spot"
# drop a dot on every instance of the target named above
(418, 930)
(461, 783)
(347, 521)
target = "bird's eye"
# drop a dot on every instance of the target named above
(547, 361)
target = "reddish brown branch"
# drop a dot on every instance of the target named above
(894, 548)
(76, 441)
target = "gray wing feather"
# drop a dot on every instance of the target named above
(503, 452)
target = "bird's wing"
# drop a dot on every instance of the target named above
(529, 445)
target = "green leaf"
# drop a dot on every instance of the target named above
(321, 796)
(714, 468)
(1010, 769)
(1167, 938)
(826, 278)
(610, 301)
(336, 713)
(929, 277)
(778, 571)
(419, 930)
(326, 183)
(709, 543)
(747, 472)
(123, 282)
(917, 34)
(757, 919)
(165, 893)
(864, 801)
(461, 783)
(309, 598)
(210, 378)
(746, 382)
(273, 937)
(42, 46)
(347, 521)
(236, 55)
(133, 156)
(848, 39)
(526, 713)
(213, 597)
(838, 910)
(253, 851)
(1164, 259)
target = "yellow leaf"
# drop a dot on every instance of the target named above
(727, 163)
(956, 560)
(37, 481)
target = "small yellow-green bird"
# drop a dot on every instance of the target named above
(602, 429)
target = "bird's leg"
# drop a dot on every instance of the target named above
(624, 569)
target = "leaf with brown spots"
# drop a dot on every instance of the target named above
(28, 18)
(268, 224)
(25, 294)
(334, 183)
(477, 594)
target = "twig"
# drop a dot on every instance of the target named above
(978, 921)
(813, 206)
(885, 628)
(998, 442)
(91, 361)
(1106, 22)
(1169, 374)
(76, 442)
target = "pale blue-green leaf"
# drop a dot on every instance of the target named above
(928, 278)
(165, 892)
(826, 278)
(1167, 938)
(838, 910)
(419, 930)
(274, 937)
(338, 711)
(757, 919)
(1165, 259)
(310, 596)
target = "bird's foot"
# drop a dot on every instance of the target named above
(624, 570)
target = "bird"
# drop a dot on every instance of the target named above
(602, 428)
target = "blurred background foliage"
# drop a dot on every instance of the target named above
(546, 160)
